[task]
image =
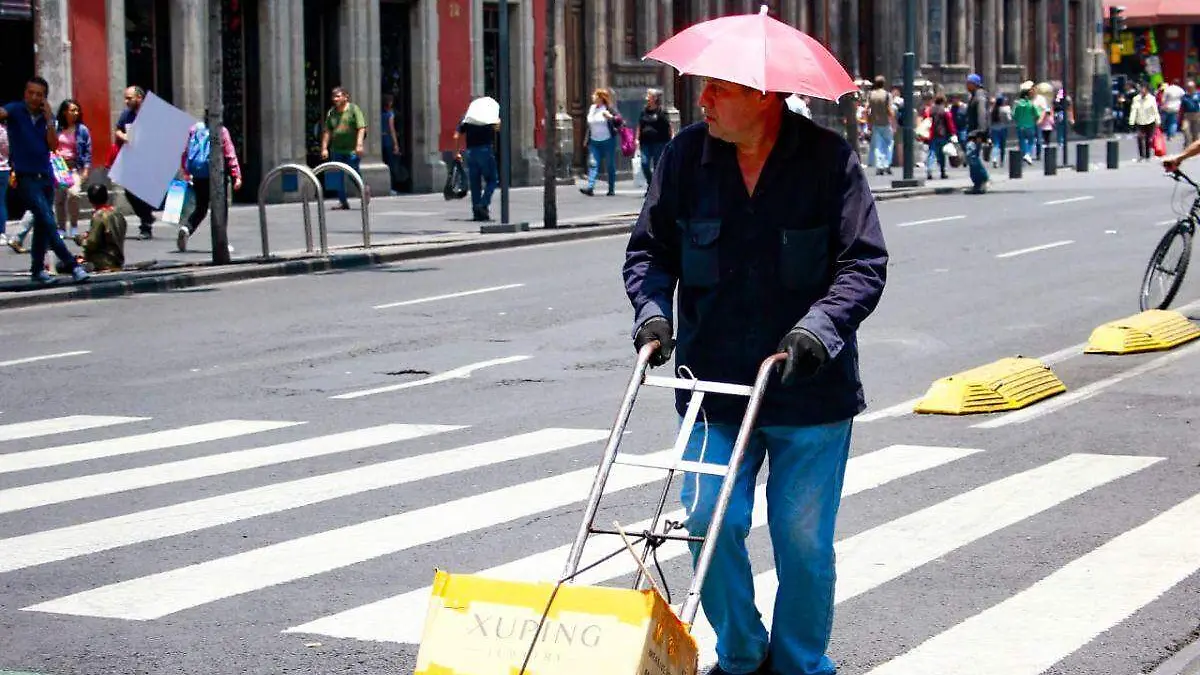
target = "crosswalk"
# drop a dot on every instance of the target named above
(1028, 632)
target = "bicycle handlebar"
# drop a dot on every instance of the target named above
(1180, 175)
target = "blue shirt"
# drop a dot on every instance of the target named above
(1191, 103)
(805, 250)
(28, 149)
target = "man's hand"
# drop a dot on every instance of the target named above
(358, 149)
(47, 112)
(324, 153)
(1171, 164)
(805, 355)
(658, 329)
(237, 183)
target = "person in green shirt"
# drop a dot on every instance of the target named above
(342, 137)
(1025, 118)
(104, 244)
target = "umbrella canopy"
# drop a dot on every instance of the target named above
(759, 52)
(483, 110)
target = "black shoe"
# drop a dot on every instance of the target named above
(477, 213)
(764, 669)
(587, 191)
(145, 233)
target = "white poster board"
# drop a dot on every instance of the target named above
(151, 157)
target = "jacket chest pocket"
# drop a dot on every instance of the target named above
(803, 258)
(701, 262)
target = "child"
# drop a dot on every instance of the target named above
(104, 244)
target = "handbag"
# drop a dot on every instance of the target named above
(1159, 141)
(628, 142)
(62, 173)
(456, 181)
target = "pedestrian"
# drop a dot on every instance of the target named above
(1001, 120)
(654, 130)
(941, 132)
(391, 142)
(5, 175)
(882, 118)
(1064, 115)
(1189, 107)
(1045, 118)
(1144, 116)
(342, 138)
(978, 134)
(602, 141)
(75, 149)
(785, 255)
(32, 136)
(104, 244)
(479, 130)
(194, 165)
(1172, 100)
(134, 96)
(1025, 117)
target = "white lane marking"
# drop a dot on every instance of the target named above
(1072, 200)
(1034, 249)
(61, 425)
(457, 374)
(1085, 392)
(1031, 631)
(46, 357)
(101, 535)
(884, 553)
(126, 445)
(448, 296)
(401, 618)
(931, 221)
(158, 595)
(898, 410)
(70, 489)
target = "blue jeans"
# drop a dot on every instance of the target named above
(883, 143)
(3, 199)
(650, 154)
(38, 194)
(937, 153)
(975, 166)
(481, 174)
(1170, 122)
(603, 151)
(346, 158)
(1027, 138)
(999, 143)
(804, 490)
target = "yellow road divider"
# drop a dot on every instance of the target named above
(1150, 331)
(1007, 384)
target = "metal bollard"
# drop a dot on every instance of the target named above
(1082, 157)
(1050, 159)
(1016, 163)
(1114, 154)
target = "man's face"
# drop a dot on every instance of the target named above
(340, 98)
(1191, 87)
(132, 100)
(732, 111)
(35, 96)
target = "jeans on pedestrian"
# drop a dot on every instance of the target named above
(201, 196)
(603, 151)
(37, 191)
(975, 165)
(392, 161)
(1170, 123)
(481, 174)
(144, 211)
(999, 143)
(937, 153)
(4, 199)
(1145, 136)
(883, 144)
(650, 154)
(804, 488)
(1061, 129)
(1027, 139)
(351, 159)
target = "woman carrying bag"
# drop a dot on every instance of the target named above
(602, 141)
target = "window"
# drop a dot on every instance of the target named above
(634, 22)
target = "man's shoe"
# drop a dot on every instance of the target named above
(79, 274)
(145, 233)
(587, 191)
(41, 277)
(182, 237)
(764, 669)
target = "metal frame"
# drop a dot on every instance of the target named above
(691, 604)
(262, 208)
(363, 192)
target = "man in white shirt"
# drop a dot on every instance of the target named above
(1172, 99)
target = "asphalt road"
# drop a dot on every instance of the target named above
(261, 477)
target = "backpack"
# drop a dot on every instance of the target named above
(940, 128)
(198, 151)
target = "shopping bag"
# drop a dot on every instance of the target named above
(481, 626)
(628, 142)
(639, 179)
(179, 198)
(62, 173)
(456, 180)
(1160, 143)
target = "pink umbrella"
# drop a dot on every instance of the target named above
(757, 51)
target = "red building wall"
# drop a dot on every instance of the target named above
(454, 40)
(88, 33)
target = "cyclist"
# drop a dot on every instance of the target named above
(1172, 163)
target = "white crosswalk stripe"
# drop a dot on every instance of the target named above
(1028, 632)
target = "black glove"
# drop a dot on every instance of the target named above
(659, 329)
(805, 355)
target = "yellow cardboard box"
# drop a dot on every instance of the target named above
(480, 626)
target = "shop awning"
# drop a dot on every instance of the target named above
(1157, 12)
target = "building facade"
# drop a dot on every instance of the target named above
(1161, 42)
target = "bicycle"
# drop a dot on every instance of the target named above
(1162, 274)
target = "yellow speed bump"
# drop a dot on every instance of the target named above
(1007, 384)
(1149, 331)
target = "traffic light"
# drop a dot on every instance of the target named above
(1116, 21)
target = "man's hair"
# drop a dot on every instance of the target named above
(138, 91)
(880, 82)
(40, 81)
(97, 194)
(341, 90)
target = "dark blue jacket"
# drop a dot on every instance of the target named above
(805, 251)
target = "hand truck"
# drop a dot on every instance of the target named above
(728, 472)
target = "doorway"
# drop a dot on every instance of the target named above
(322, 69)
(491, 67)
(240, 90)
(395, 67)
(16, 61)
(148, 46)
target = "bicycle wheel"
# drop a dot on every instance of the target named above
(1164, 274)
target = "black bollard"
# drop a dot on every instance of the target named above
(1082, 157)
(1050, 158)
(1016, 162)
(1114, 154)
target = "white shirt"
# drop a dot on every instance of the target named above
(598, 123)
(1173, 98)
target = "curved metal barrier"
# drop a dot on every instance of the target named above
(262, 207)
(364, 194)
